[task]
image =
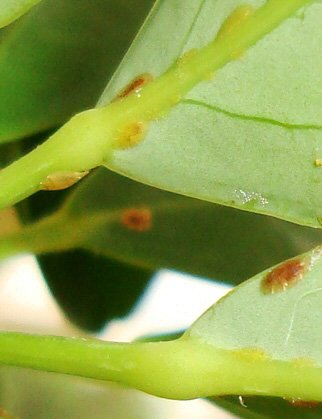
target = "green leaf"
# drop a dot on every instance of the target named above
(56, 60)
(269, 408)
(250, 136)
(104, 213)
(13, 9)
(93, 137)
(92, 289)
(272, 318)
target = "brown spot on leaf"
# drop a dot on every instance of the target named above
(303, 403)
(138, 219)
(283, 276)
(135, 86)
(131, 135)
(61, 180)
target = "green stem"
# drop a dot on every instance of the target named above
(89, 138)
(58, 232)
(180, 369)
(64, 230)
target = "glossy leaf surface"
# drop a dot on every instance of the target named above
(250, 135)
(56, 59)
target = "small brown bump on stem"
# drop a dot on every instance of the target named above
(61, 180)
(135, 86)
(137, 219)
(283, 276)
(131, 135)
(318, 163)
(303, 403)
(235, 19)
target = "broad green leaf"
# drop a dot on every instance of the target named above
(93, 137)
(92, 289)
(13, 9)
(56, 60)
(133, 223)
(250, 136)
(262, 339)
(273, 318)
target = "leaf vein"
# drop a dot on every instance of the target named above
(253, 118)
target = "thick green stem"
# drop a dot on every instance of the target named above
(180, 369)
(89, 138)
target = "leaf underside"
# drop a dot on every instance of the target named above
(250, 136)
(180, 233)
(184, 234)
(280, 320)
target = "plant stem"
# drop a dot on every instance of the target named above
(58, 232)
(88, 139)
(180, 369)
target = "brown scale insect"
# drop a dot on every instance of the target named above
(135, 86)
(61, 180)
(131, 135)
(283, 276)
(137, 219)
